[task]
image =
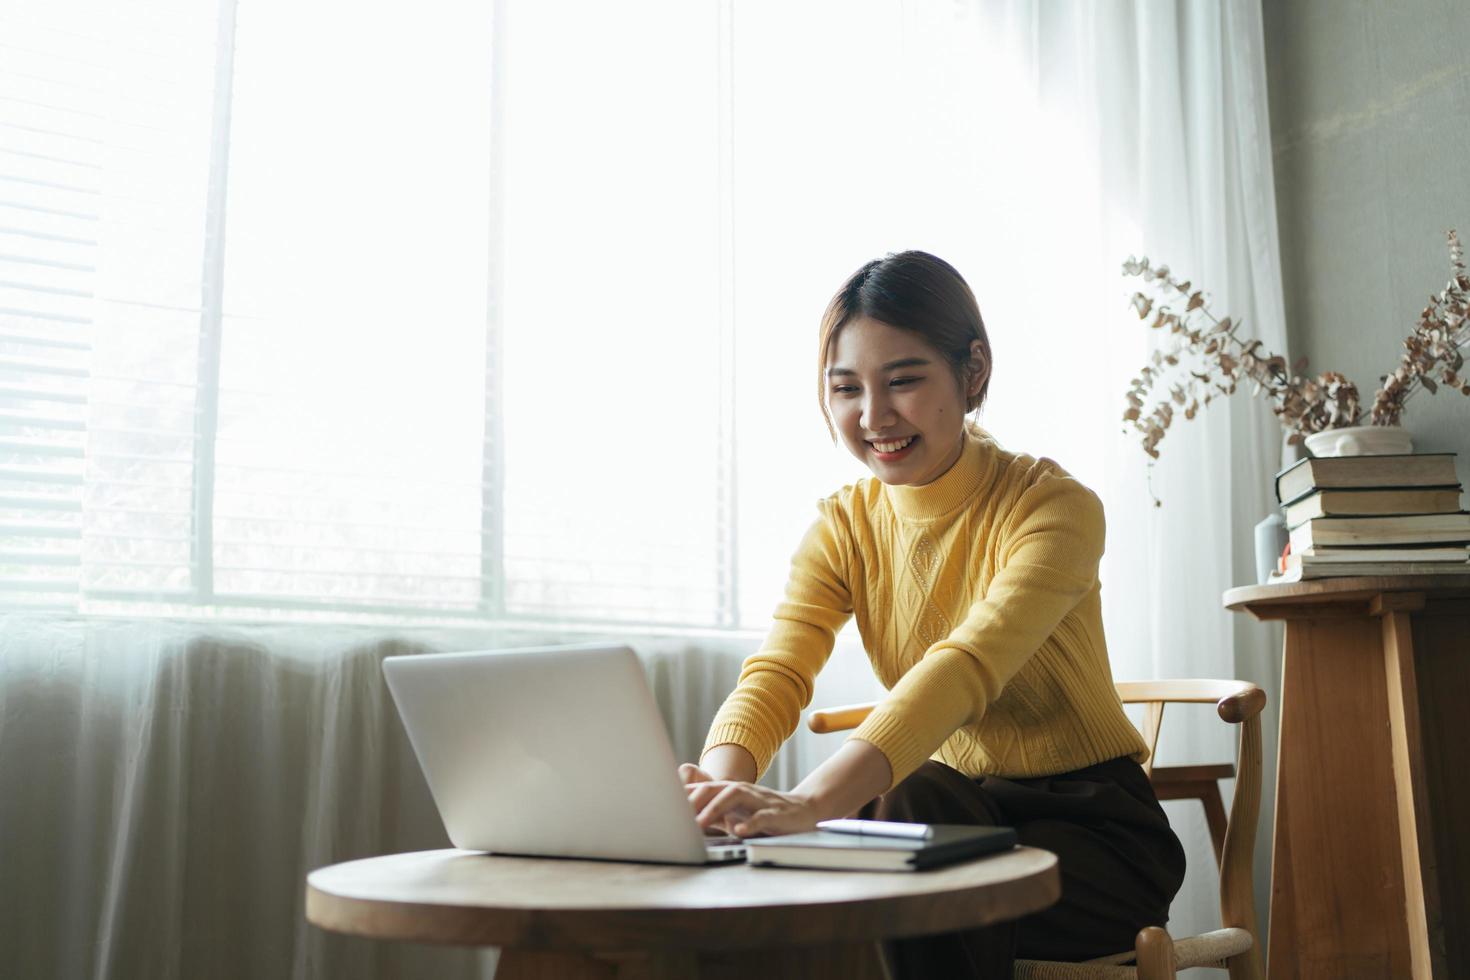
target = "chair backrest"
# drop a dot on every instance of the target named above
(1237, 703)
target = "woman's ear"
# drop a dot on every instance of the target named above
(979, 369)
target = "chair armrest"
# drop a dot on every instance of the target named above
(1234, 700)
(839, 718)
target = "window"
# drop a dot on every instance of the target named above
(499, 311)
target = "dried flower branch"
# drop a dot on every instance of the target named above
(1432, 348)
(1206, 358)
(1213, 360)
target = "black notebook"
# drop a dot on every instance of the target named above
(947, 844)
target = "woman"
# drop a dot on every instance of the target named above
(972, 572)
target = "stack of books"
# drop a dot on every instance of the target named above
(1373, 515)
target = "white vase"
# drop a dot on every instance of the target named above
(1361, 440)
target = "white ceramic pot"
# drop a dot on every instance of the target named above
(1360, 440)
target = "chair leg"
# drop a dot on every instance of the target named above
(1247, 965)
(1155, 954)
(1215, 817)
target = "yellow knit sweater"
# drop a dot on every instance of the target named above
(978, 603)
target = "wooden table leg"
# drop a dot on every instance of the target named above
(1338, 889)
(852, 961)
(519, 964)
(1428, 651)
(1416, 837)
(855, 961)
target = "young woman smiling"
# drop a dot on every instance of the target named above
(972, 572)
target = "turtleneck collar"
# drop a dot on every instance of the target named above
(958, 484)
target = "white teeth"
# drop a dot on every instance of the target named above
(892, 447)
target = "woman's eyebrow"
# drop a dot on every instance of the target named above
(833, 372)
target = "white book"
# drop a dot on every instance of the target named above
(1320, 555)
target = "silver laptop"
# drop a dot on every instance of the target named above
(550, 751)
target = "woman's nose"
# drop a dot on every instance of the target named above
(877, 413)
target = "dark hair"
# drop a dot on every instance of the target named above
(912, 291)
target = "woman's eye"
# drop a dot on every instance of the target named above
(897, 382)
(843, 389)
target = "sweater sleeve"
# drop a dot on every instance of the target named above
(1047, 560)
(776, 682)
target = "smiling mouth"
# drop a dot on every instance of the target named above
(892, 447)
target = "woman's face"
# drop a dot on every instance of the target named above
(895, 402)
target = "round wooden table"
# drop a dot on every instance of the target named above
(583, 919)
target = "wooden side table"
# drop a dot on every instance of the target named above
(1371, 875)
(572, 919)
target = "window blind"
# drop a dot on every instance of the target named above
(49, 183)
(98, 240)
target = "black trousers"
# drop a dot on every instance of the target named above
(1120, 863)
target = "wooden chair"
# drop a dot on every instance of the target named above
(1156, 955)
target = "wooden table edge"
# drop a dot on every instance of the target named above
(647, 929)
(1329, 590)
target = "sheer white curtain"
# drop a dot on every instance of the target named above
(164, 789)
(1036, 145)
(502, 318)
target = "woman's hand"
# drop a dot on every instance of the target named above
(691, 775)
(727, 800)
(746, 809)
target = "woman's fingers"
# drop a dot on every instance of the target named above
(690, 774)
(726, 798)
(746, 809)
(786, 817)
(701, 793)
(757, 823)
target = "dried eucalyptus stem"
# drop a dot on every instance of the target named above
(1432, 348)
(1211, 360)
(1207, 358)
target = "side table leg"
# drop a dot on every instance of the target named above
(1442, 674)
(1338, 884)
(1281, 963)
(1416, 835)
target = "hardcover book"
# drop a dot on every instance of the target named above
(1372, 501)
(1335, 472)
(1403, 529)
(1297, 571)
(949, 843)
